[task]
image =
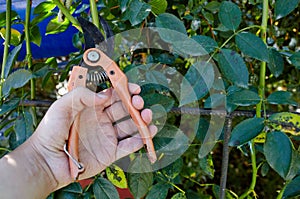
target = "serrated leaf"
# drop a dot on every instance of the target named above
(230, 15)
(246, 131)
(295, 59)
(16, 80)
(158, 191)
(116, 176)
(197, 82)
(278, 152)
(137, 13)
(207, 43)
(140, 182)
(281, 97)
(158, 6)
(284, 7)
(11, 58)
(243, 98)
(233, 67)
(292, 189)
(276, 63)
(170, 28)
(103, 189)
(248, 43)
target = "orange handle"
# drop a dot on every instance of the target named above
(77, 78)
(120, 84)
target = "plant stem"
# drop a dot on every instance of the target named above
(261, 93)
(29, 55)
(67, 14)
(94, 12)
(6, 44)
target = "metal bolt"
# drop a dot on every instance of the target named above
(93, 56)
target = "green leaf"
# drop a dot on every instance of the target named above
(276, 63)
(230, 15)
(170, 142)
(156, 98)
(13, 16)
(246, 131)
(187, 47)
(140, 181)
(249, 44)
(103, 189)
(23, 127)
(35, 35)
(9, 105)
(54, 26)
(295, 59)
(16, 80)
(44, 7)
(215, 100)
(284, 7)
(158, 6)
(137, 11)
(292, 189)
(278, 152)
(156, 77)
(197, 82)
(212, 136)
(15, 37)
(170, 28)
(116, 176)
(212, 6)
(173, 170)
(74, 187)
(11, 58)
(207, 166)
(285, 122)
(244, 98)
(178, 196)
(123, 5)
(207, 43)
(158, 191)
(281, 97)
(233, 67)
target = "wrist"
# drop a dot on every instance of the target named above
(25, 170)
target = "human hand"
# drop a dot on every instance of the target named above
(100, 142)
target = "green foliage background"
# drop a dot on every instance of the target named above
(254, 44)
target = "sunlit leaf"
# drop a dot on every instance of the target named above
(158, 6)
(15, 36)
(54, 26)
(116, 176)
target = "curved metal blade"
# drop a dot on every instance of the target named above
(94, 38)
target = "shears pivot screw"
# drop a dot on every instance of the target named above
(93, 56)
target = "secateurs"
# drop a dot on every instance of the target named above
(96, 68)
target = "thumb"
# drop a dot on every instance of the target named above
(80, 98)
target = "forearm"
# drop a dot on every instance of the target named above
(23, 174)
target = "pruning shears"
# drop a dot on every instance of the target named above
(96, 68)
